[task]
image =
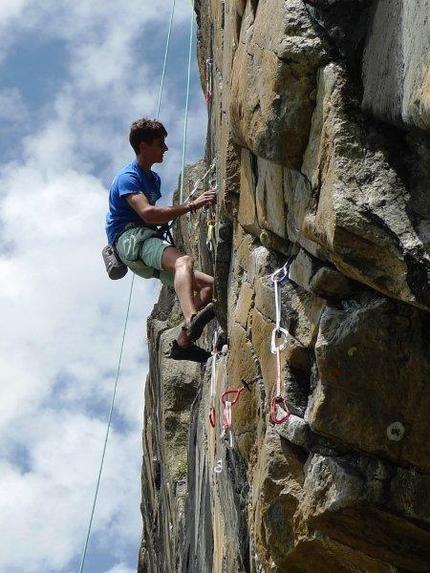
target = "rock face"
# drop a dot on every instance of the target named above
(319, 123)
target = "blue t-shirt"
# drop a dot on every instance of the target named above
(130, 179)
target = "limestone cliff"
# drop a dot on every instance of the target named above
(319, 120)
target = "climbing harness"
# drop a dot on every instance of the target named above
(279, 412)
(209, 68)
(164, 232)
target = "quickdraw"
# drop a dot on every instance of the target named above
(212, 412)
(279, 412)
(211, 223)
(202, 178)
(218, 467)
(210, 233)
(209, 67)
(228, 402)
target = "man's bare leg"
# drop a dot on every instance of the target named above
(194, 289)
(203, 289)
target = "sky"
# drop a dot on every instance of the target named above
(74, 75)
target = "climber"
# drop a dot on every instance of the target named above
(131, 227)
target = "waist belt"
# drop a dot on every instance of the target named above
(160, 231)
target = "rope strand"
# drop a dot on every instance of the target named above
(84, 553)
(187, 101)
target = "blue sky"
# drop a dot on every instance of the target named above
(74, 75)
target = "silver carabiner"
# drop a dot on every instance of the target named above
(229, 439)
(218, 467)
(279, 333)
(282, 274)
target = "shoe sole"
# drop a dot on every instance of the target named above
(200, 321)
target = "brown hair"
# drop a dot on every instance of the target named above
(145, 130)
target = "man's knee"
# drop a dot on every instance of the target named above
(184, 262)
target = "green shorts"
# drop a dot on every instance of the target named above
(141, 251)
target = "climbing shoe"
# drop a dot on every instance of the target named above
(200, 320)
(192, 352)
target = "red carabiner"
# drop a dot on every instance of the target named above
(212, 417)
(236, 393)
(276, 401)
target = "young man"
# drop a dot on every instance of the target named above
(131, 227)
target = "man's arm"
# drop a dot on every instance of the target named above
(155, 215)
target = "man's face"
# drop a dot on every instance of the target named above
(154, 152)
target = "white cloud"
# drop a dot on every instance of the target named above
(45, 511)
(121, 569)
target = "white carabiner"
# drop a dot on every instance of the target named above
(230, 440)
(282, 274)
(218, 467)
(279, 333)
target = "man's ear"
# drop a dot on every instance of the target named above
(143, 146)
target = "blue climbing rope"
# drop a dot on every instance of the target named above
(166, 53)
(84, 553)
